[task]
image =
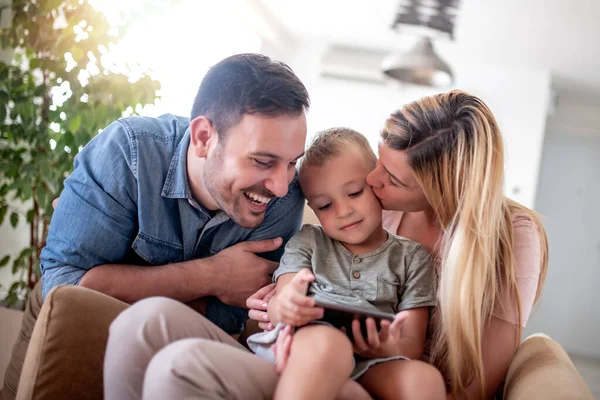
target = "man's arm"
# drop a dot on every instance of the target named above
(231, 275)
(95, 223)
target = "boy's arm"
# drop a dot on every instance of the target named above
(412, 336)
(290, 304)
(282, 281)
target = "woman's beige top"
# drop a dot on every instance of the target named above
(527, 265)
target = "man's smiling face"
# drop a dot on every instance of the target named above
(254, 164)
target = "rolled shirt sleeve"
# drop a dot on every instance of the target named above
(96, 218)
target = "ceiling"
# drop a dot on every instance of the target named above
(562, 36)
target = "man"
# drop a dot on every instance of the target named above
(178, 208)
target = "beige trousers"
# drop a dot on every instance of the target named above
(162, 349)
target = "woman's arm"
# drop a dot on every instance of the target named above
(500, 342)
(501, 334)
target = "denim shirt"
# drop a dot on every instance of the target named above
(128, 201)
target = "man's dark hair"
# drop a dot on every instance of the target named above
(248, 84)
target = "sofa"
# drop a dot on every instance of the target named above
(65, 356)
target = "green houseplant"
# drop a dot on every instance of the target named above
(56, 93)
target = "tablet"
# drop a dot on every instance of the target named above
(342, 316)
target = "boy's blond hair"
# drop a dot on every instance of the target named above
(334, 142)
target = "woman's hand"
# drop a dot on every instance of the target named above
(257, 303)
(291, 305)
(385, 343)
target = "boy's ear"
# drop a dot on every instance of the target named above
(203, 136)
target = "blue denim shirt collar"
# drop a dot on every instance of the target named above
(177, 185)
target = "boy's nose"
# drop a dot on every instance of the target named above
(344, 210)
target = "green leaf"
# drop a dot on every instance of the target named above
(11, 299)
(14, 219)
(75, 123)
(4, 261)
(3, 211)
(26, 252)
(17, 265)
(2, 113)
(3, 97)
(30, 215)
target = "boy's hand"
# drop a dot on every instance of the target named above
(292, 306)
(384, 343)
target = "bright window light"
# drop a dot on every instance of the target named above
(179, 43)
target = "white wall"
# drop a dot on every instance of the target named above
(518, 98)
(568, 198)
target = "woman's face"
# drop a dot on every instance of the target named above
(395, 184)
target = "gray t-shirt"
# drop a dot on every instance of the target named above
(399, 275)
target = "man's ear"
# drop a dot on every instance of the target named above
(203, 136)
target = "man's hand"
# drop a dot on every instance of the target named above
(291, 305)
(384, 343)
(242, 272)
(257, 303)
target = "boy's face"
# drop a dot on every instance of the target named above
(340, 197)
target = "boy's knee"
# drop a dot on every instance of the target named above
(325, 342)
(423, 380)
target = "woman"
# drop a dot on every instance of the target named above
(441, 173)
(441, 166)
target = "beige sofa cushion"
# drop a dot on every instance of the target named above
(65, 356)
(541, 369)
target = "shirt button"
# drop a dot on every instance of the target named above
(357, 260)
(356, 274)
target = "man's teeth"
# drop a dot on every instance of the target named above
(257, 198)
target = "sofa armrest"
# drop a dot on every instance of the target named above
(66, 351)
(541, 369)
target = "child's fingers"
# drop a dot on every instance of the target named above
(372, 334)
(301, 300)
(293, 308)
(384, 332)
(297, 316)
(359, 341)
(302, 278)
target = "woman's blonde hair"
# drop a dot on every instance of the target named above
(455, 150)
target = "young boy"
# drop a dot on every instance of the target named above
(351, 260)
